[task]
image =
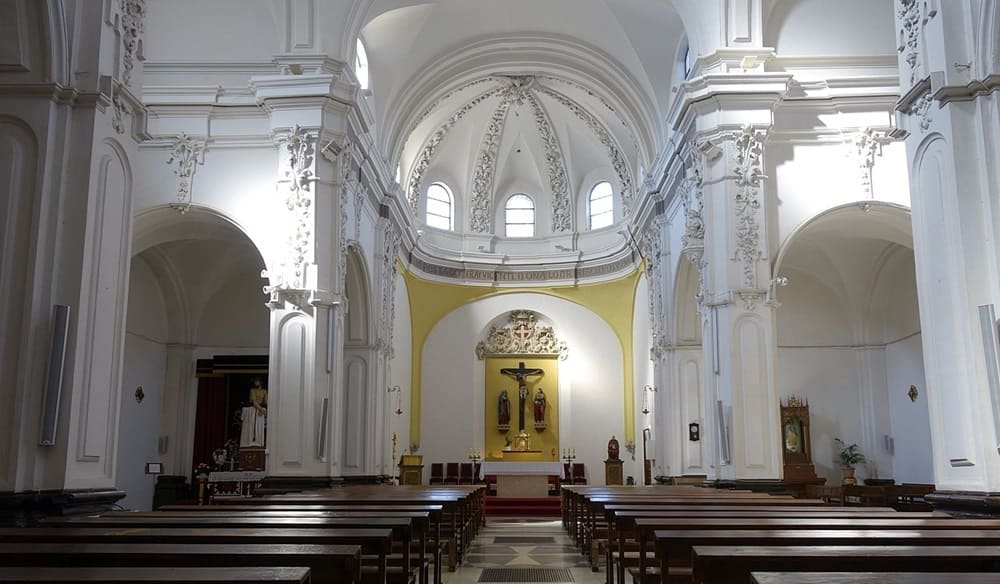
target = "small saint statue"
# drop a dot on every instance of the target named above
(253, 416)
(539, 406)
(613, 448)
(503, 409)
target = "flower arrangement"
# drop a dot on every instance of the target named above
(202, 469)
(849, 455)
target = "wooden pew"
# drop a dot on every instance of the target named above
(722, 564)
(401, 528)
(156, 575)
(462, 505)
(674, 547)
(433, 512)
(377, 542)
(420, 519)
(327, 563)
(872, 578)
(622, 523)
(595, 506)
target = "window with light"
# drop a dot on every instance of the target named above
(361, 65)
(519, 216)
(440, 206)
(601, 205)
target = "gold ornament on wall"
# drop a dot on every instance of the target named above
(139, 395)
(913, 393)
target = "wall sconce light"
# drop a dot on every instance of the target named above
(399, 399)
(913, 393)
(645, 398)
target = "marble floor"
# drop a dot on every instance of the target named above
(509, 542)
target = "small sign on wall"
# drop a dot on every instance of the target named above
(154, 468)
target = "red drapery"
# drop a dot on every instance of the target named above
(210, 419)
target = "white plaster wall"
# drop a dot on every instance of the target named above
(642, 374)
(827, 379)
(144, 365)
(817, 27)
(400, 370)
(188, 30)
(235, 315)
(591, 399)
(793, 168)
(910, 425)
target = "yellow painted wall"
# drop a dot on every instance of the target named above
(547, 440)
(613, 301)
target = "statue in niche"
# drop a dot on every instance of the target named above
(540, 406)
(613, 448)
(503, 409)
(254, 416)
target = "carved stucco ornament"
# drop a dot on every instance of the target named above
(749, 148)
(186, 153)
(131, 25)
(522, 336)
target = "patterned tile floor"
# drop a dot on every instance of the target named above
(557, 552)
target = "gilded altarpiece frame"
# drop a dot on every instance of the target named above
(522, 343)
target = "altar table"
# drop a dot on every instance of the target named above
(521, 479)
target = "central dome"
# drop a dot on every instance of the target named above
(503, 136)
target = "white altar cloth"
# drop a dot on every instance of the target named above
(499, 467)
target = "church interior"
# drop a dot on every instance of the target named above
(529, 253)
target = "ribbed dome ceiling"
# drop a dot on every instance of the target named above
(545, 136)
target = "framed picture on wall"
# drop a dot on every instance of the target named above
(154, 468)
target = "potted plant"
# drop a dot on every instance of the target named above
(849, 456)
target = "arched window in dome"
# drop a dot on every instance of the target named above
(601, 205)
(687, 63)
(519, 216)
(440, 206)
(361, 65)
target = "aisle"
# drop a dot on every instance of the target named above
(532, 550)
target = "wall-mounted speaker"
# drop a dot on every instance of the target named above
(54, 374)
(321, 435)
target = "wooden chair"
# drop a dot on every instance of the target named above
(579, 474)
(465, 473)
(554, 484)
(451, 473)
(437, 473)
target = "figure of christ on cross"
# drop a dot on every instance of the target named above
(520, 373)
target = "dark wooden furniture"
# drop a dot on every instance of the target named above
(721, 564)
(156, 575)
(328, 563)
(872, 578)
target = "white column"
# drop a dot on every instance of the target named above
(949, 69)
(741, 325)
(308, 120)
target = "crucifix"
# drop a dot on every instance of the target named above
(519, 373)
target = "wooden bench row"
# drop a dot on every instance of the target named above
(705, 537)
(345, 537)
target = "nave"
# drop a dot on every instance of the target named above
(523, 549)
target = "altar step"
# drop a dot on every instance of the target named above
(526, 507)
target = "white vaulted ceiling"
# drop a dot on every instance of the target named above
(541, 97)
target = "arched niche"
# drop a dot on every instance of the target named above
(590, 379)
(848, 338)
(195, 291)
(357, 415)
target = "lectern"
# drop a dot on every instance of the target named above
(613, 472)
(411, 469)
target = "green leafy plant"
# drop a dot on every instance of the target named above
(849, 455)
